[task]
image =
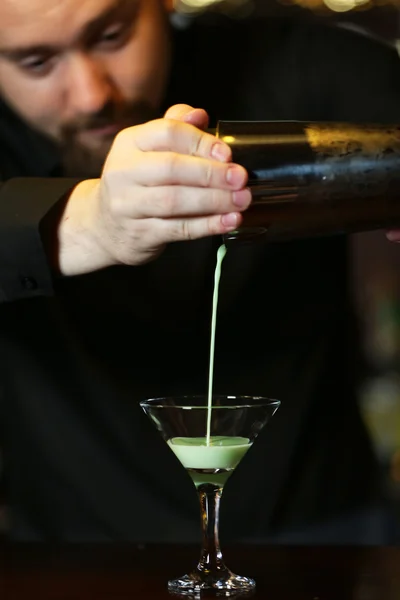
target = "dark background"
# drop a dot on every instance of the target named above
(375, 263)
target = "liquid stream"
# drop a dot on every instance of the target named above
(220, 257)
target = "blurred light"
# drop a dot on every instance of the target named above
(228, 139)
(244, 8)
(199, 4)
(340, 5)
(227, 6)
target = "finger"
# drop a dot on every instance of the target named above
(183, 201)
(199, 118)
(393, 235)
(183, 112)
(168, 168)
(174, 230)
(178, 111)
(165, 135)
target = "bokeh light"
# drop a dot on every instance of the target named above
(246, 7)
(227, 6)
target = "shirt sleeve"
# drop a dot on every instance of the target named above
(24, 269)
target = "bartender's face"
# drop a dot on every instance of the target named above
(78, 71)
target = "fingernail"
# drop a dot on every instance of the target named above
(242, 198)
(220, 152)
(235, 176)
(230, 220)
(188, 115)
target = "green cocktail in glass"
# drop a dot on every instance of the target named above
(210, 460)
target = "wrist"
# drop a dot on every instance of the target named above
(80, 249)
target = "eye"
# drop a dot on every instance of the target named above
(37, 65)
(114, 36)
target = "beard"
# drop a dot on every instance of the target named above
(81, 161)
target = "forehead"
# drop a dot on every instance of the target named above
(36, 21)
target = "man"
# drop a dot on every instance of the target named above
(100, 311)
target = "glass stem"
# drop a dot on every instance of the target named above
(211, 560)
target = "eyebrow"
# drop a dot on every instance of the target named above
(121, 9)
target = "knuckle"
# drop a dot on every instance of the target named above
(208, 173)
(198, 144)
(124, 144)
(107, 197)
(213, 227)
(181, 231)
(118, 207)
(123, 136)
(169, 131)
(170, 164)
(135, 240)
(218, 200)
(115, 203)
(186, 230)
(167, 202)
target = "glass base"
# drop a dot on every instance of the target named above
(197, 584)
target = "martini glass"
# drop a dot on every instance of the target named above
(210, 460)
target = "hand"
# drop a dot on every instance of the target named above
(164, 181)
(393, 235)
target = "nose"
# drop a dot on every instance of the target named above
(89, 88)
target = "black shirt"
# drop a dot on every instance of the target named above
(81, 461)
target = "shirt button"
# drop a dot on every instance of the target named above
(29, 284)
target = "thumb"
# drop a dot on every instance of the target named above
(183, 112)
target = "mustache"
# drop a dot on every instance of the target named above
(78, 161)
(128, 115)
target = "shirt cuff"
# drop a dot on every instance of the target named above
(24, 269)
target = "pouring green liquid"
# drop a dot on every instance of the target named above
(220, 257)
(211, 459)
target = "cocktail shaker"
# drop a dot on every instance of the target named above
(316, 178)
